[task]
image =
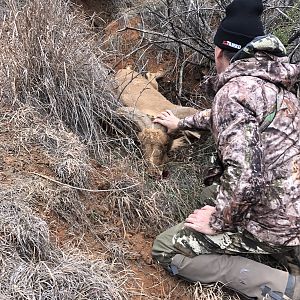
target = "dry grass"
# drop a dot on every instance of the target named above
(153, 204)
(57, 105)
(213, 292)
(34, 268)
(51, 60)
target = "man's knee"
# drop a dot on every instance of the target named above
(159, 252)
(163, 248)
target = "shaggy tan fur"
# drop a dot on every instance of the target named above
(144, 102)
(141, 93)
(155, 144)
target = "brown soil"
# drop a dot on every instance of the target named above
(149, 280)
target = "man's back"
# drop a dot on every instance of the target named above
(256, 126)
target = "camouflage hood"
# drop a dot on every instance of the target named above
(264, 58)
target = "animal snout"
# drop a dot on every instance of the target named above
(155, 144)
(158, 172)
(156, 163)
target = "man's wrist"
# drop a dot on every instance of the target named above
(181, 124)
(215, 224)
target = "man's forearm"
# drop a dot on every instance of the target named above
(199, 121)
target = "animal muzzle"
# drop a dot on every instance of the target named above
(156, 165)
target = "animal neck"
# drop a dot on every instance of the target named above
(158, 127)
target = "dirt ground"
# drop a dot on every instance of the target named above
(132, 248)
(148, 281)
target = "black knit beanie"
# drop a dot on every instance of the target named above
(241, 25)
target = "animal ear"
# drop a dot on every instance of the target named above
(159, 74)
(134, 115)
(152, 77)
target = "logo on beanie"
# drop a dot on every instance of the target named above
(232, 45)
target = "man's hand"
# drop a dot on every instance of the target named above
(199, 220)
(167, 119)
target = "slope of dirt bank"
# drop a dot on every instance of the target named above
(78, 213)
(77, 219)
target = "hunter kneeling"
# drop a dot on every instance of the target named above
(255, 122)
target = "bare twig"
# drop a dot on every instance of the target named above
(83, 189)
(181, 41)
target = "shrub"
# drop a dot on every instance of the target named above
(51, 60)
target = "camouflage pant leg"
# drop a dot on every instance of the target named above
(192, 243)
(163, 249)
(180, 240)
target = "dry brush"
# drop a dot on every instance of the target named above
(52, 63)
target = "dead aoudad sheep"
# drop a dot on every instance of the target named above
(142, 103)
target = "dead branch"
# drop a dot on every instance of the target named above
(180, 41)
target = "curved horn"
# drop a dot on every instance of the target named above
(141, 119)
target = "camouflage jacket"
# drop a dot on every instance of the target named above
(255, 122)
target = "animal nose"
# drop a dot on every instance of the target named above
(154, 172)
(158, 173)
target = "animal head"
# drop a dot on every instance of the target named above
(155, 142)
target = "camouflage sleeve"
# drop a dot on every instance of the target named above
(236, 132)
(199, 121)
